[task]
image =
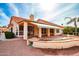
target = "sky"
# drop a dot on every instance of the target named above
(52, 12)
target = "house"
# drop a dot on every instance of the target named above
(3, 29)
(28, 28)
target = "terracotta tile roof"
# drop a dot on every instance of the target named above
(48, 23)
(16, 19)
(19, 19)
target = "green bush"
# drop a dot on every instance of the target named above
(9, 35)
(70, 30)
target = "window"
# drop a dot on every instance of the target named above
(43, 30)
(21, 29)
(30, 28)
(57, 30)
(30, 31)
(51, 30)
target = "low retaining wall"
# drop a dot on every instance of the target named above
(61, 44)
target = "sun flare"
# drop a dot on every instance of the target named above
(47, 7)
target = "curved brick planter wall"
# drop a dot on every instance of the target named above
(56, 44)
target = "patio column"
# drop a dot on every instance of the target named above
(55, 32)
(25, 31)
(18, 30)
(40, 32)
(14, 29)
(48, 32)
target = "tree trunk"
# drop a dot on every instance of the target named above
(75, 23)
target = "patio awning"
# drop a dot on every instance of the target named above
(44, 25)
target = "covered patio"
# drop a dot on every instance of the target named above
(31, 29)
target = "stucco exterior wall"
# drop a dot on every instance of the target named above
(48, 31)
(25, 36)
(36, 31)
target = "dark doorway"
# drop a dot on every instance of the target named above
(30, 31)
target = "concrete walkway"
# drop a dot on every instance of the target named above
(18, 47)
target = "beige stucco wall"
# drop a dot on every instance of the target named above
(40, 33)
(48, 32)
(36, 31)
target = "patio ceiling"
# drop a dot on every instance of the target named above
(44, 25)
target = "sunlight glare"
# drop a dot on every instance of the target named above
(48, 7)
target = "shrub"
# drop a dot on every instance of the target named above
(9, 35)
(70, 30)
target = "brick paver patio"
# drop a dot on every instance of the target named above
(18, 47)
